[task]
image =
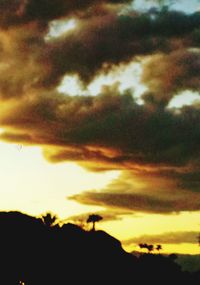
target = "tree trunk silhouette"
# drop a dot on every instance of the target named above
(93, 226)
(93, 219)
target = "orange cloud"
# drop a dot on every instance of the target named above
(135, 193)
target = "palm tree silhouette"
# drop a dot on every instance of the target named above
(150, 247)
(158, 247)
(49, 219)
(93, 219)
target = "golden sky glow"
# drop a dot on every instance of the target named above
(100, 112)
(30, 184)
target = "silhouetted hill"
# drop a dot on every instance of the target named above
(188, 262)
(39, 254)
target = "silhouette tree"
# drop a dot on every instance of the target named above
(158, 247)
(150, 247)
(93, 219)
(142, 245)
(49, 219)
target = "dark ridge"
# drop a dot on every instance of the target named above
(37, 254)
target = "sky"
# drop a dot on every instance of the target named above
(100, 113)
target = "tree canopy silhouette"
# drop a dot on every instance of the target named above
(149, 247)
(158, 247)
(49, 219)
(93, 219)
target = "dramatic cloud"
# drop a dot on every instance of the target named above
(28, 61)
(150, 193)
(109, 131)
(166, 238)
(103, 37)
(160, 148)
(94, 45)
(18, 12)
(167, 75)
(109, 127)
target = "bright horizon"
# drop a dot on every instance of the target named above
(44, 187)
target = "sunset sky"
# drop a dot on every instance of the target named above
(100, 113)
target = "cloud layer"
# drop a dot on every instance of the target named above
(166, 238)
(149, 142)
(151, 192)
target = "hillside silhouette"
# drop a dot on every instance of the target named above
(38, 253)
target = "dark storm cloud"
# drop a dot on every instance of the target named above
(167, 75)
(105, 38)
(136, 134)
(102, 38)
(185, 178)
(15, 12)
(138, 202)
(166, 238)
(27, 60)
(109, 128)
(109, 131)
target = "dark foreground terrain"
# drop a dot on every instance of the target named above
(39, 254)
